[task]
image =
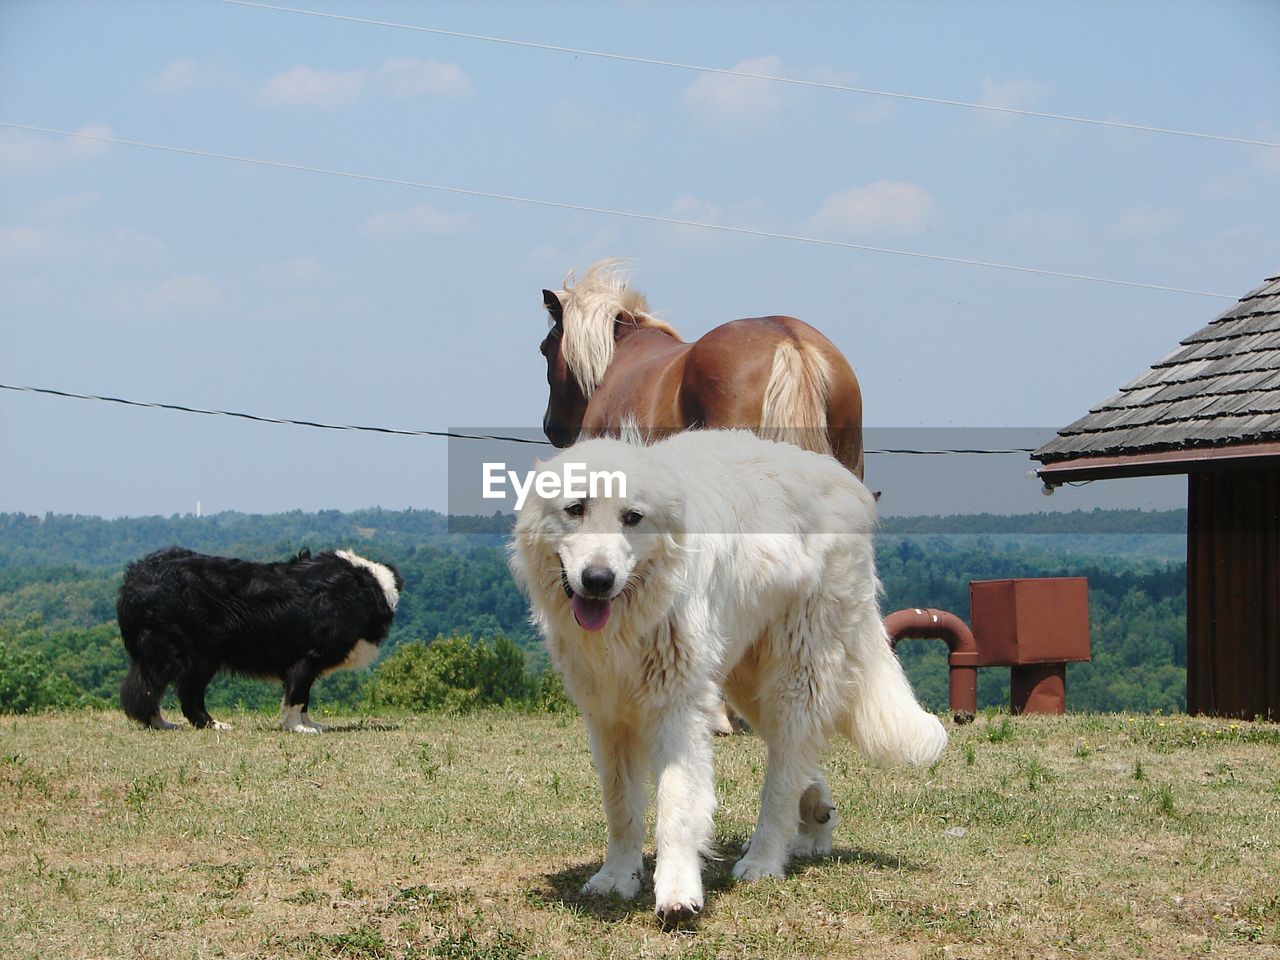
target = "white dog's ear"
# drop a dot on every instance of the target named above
(673, 508)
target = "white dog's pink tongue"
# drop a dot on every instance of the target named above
(591, 614)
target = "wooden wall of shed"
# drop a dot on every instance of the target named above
(1233, 593)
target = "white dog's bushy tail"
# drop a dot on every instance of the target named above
(795, 398)
(886, 723)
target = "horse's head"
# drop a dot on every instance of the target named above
(566, 403)
(590, 320)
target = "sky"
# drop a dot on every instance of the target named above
(206, 282)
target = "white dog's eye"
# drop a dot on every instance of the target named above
(631, 518)
(575, 509)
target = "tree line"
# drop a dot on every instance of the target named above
(462, 639)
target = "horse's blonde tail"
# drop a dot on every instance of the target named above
(795, 398)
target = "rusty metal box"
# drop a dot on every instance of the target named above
(1030, 620)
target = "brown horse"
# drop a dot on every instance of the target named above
(609, 358)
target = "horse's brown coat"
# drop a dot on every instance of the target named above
(717, 381)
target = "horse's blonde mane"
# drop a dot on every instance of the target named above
(591, 306)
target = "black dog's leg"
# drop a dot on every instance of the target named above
(150, 673)
(297, 697)
(140, 696)
(191, 688)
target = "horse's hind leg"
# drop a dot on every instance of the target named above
(817, 822)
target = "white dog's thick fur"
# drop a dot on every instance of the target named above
(737, 564)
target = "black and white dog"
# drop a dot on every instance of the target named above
(185, 616)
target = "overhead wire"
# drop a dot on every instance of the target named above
(743, 74)
(604, 211)
(447, 434)
(752, 75)
(184, 408)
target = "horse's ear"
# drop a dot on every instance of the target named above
(623, 324)
(551, 300)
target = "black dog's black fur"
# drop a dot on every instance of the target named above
(185, 616)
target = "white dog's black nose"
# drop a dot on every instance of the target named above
(597, 581)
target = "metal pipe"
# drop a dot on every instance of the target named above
(962, 660)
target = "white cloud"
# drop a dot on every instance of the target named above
(689, 207)
(18, 242)
(741, 103)
(883, 205)
(87, 149)
(1009, 95)
(311, 88)
(420, 219)
(184, 75)
(316, 89)
(699, 210)
(573, 118)
(183, 294)
(178, 76)
(23, 153)
(407, 77)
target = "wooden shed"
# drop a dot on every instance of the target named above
(1211, 410)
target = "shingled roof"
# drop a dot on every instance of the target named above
(1220, 387)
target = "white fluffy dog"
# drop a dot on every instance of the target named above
(732, 563)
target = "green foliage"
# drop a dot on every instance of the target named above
(1137, 619)
(59, 576)
(454, 674)
(999, 728)
(550, 695)
(61, 596)
(28, 541)
(1158, 534)
(28, 682)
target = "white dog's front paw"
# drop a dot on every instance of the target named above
(304, 728)
(676, 909)
(219, 725)
(608, 881)
(753, 868)
(677, 896)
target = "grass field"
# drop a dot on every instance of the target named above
(1085, 836)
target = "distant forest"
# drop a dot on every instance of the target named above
(59, 576)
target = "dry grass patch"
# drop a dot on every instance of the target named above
(1085, 836)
